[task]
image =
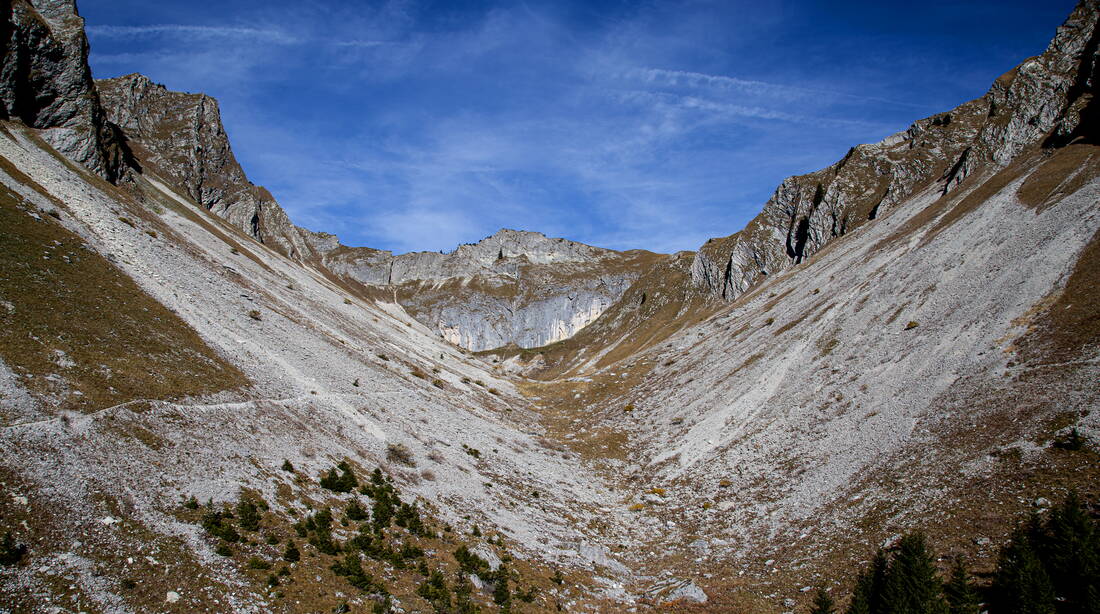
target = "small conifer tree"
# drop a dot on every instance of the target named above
(867, 597)
(10, 552)
(1069, 548)
(1021, 585)
(960, 594)
(912, 585)
(291, 553)
(248, 515)
(823, 603)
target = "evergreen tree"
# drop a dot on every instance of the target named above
(343, 482)
(434, 590)
(248, 515)
(291, 553)
(1093, 601)
(823, 603)
(1021, 585)
(502, 596)
(912, 585)
(1069, 550)
(463, 591)
(10, 552)
(867, 597)
(960, 594)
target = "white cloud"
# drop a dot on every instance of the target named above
(272, 35)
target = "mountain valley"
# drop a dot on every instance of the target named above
(191, 386)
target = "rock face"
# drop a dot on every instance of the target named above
(45, 83)
(512, 288)
(1052, 94)
(181, 138)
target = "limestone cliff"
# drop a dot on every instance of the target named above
(1049, 97)
(45, 83)
(519, 288)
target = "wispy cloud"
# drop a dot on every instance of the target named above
(660, 76)
(696, 79)
(362, 43)
(191, 31)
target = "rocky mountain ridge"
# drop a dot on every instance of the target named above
(513, 287)
(1048, 97)
(180, 137)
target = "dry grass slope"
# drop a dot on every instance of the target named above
(70, 315)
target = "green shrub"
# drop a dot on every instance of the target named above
(291, 553)
(214, 522)
(352, 569)
(502, 596)
(258, 563)
(356, 512)
(434, 590)
(248, 515)
(287, 466)
(343, 482)
(223, 549)
(463, 591)
(527, 596)
(11, 552)
(472, 563)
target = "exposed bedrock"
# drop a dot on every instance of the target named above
(514, 287)
(45, 83)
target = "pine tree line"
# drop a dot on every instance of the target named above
(1051, 565)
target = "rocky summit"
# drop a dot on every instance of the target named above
(205, 408)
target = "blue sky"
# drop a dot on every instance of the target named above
(410, 125)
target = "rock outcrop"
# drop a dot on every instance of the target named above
(45, 83)
(1049, 97)
(181, 138)
(519, 288)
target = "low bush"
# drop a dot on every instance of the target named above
(400, 453)
(11, 552)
